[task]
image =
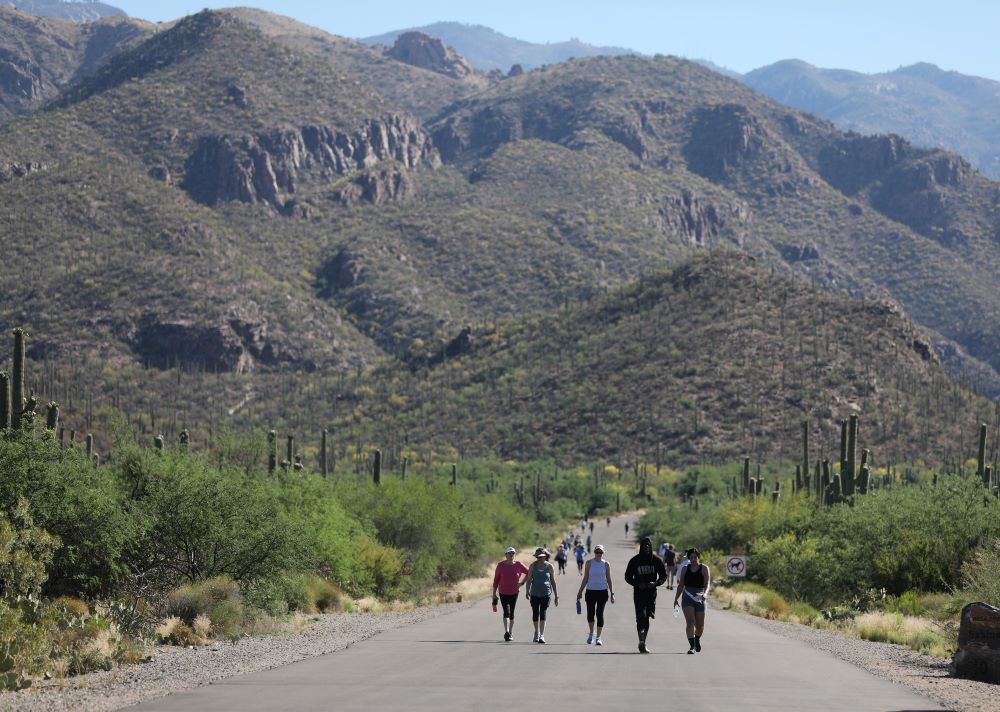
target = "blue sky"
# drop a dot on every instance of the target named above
(872, 36)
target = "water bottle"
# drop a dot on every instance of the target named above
(494, 605)
(677, 611)
(579, 608)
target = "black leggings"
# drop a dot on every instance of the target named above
(508, 602)
(645, 608)
(596, 600)
(539, 604)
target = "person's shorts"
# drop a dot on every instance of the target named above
(688, 602)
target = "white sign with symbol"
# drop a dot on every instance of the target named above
(736, 565)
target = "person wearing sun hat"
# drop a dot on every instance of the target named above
(597, 581)
(541, 589)
(507, 582)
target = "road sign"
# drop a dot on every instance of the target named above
(736, 565)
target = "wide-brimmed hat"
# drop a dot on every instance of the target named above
(599, 547)
(510, 550)
(541, 551)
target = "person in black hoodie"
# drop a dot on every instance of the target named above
(644, 573)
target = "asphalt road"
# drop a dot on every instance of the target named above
(460, 662)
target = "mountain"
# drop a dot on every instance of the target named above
(929, 106)
(72, 11)
(241, 196)
(488, 49)
(39, 57)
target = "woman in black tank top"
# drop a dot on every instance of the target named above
(692, 588)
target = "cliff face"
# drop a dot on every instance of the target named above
(426, 52)
(266, 168)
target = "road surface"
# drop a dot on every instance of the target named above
(460, 662)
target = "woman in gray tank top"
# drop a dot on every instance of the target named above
(541, 588)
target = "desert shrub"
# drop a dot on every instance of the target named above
(25, 550)
(981, 574)
(174, 631)
(382, 566)
(802, 612)
(798, 568)
(189, 601)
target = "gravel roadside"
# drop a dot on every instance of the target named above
(927, 676)
(177, 669)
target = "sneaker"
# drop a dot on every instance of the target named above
(598, 642)
(534, 638)
(697, 645)
(506, 636)
(541, 639)
(691, 651)
(590, 639)
(642, 646)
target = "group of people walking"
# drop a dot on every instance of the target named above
(645, 572)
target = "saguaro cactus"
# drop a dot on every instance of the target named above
(746, 475)
(4, 400)
(805, 454)
(158, 443)
(52, 418)
(17, 387)
(981, 460)
(185, 438)
(454, 474)
(290, 450)
(272, 452)
(377, 467)
(323, 462)
(406, 461)
(90, 446)
(847, 481)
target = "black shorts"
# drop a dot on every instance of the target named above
(508, 601)
(689, 602)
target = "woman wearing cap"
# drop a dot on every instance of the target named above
(541, 589)
(597, 581)
(694, 583)
(507, 579)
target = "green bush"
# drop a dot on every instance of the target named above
(189, 601)
(981, 574)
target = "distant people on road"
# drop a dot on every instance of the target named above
(591, 527)
(669, 562)
(507, 582)
(561, 558)
(599, 588)
(644, 573)
(588, 543)
(541, 591)
(580, 554)
(609, 521)
(626, 530)
(694, 583)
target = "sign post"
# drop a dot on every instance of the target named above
(736, 566)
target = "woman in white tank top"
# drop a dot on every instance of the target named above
(597, 582)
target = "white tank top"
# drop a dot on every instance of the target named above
(598, 578)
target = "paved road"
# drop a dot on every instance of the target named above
(460, 662)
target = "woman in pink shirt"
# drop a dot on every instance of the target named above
(508, 581)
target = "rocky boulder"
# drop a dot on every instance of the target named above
(857, 161)
(15, 169)
(266, 168)
(722, 137)
(379, 185)
(422, 50)
(978, 655)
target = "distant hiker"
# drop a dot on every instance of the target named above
(679, 569)
(662, 550)
(541, 590)
(581, 554)
(597, 582)
(507, 580)
(669, 560)
(609, 521)
(644, 573)
(694, 582)
(561, 558)
(591, 527)
(626, 530)
(588, 543)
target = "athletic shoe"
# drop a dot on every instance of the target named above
(534, 638)
(541, 639)
(590, 639)
(691, 651)
(506, 636)
(598, 642)
(642, 647)
(697, 645)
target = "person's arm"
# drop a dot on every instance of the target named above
(708, 580)
(661, 572)
(524, 573)
(611, 586)
(527, 587)
(630, 573)
(552, 577)
(496, 581)
(680, 585)
(586, 575)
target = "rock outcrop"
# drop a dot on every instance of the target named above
(697, 222)
(978, 655)
(422, 50)
(14, 169)
(266, 168)
(19, 77)
(916, 193)
(722, 137)
(242, 338)
(857, 161)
